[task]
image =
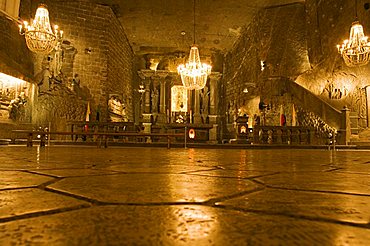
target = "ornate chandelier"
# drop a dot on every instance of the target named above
(355, 50)
(40, 38)
(194, 73)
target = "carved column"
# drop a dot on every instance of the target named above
(155, 95)
(197, 115)
(162, 98)
(214, 79)
(345, 128)
(146, 76)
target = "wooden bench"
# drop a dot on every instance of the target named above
(102, 136)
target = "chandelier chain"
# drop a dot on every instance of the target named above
(194, 73)
(194, 22)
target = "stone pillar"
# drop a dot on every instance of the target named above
(197, 115)
(155, 95)
(214, 78)
(162, 98)
(147, 100)
(367, 91)
(146, 115)
(146, 76)
(345, 131)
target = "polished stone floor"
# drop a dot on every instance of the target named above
(158, 196)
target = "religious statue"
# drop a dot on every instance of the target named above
(44, 84)
(57, 60)
(76, 83)
(155, 100)
(205, 100)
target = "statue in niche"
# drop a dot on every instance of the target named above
(76, 84)
(57, 60)
(44, 84)
(205, 100)
(155, 96)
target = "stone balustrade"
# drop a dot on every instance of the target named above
(290, 135)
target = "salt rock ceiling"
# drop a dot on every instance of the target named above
(158, 26)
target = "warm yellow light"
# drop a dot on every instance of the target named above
(40, 38)
(10, 80)
(179, 99)
(356, 50)
(243, 129)
(194, 73)
(192, 133)
(11, 87)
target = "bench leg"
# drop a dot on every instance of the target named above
(168, 142)
(42, 140)
(105, 141)
(98, 142)
(30, 140)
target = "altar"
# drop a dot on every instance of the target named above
(195, 133)
(166, 106)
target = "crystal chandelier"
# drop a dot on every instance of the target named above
(194, 73)
(355, 50)
(40, 38)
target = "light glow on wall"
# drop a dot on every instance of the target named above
(179, 99)
(10, 79)
(11, 86)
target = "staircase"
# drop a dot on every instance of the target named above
(308, 101)
(361, 139)
(359, 135)
(353, 116)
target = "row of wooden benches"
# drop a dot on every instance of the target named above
(101, 137)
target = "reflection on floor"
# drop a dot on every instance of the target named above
(150, 196)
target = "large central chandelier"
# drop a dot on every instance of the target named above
(40, 38)
(355, 50)
(194, 73)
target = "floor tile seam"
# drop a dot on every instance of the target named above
(19, 188)
(357, 173)
(258, 182)
(317, 191)
(333, 169)
(197, 171)
(75, 196)
(41, 174)
(93, 175)
(68, 168)
(296, 216)
(43, 213)
(237, 178)
(96, 202)
(214, 201)
(12, 170)
(49, 182)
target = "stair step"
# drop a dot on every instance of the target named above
(360, 143)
